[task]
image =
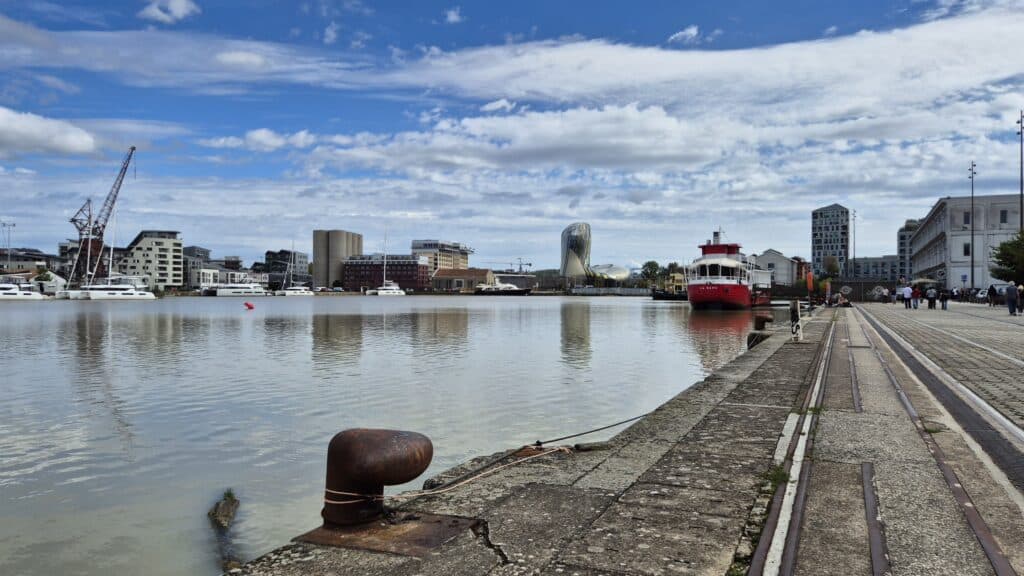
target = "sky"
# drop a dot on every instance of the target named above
(498, 124)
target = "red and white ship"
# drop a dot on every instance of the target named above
(723, 278)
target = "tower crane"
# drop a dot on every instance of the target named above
(511, 265)
(92, 226)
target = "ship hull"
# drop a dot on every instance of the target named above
(719, 296)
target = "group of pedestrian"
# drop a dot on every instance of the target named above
(1015, 299)
(912, 296)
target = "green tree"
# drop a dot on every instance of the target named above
(674, 268)
(43, 275)
(650, 270)
(831, 266)
(1009, 260)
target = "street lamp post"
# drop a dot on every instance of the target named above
(971, 174)
(1020, 133)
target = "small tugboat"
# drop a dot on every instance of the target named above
(665, 294)
(501, 289)
(722, 278)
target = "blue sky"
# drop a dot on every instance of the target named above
(499, 124)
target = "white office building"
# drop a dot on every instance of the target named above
(941, 247)
(443, 255)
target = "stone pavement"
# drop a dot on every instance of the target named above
(982, 347)
(687, 490)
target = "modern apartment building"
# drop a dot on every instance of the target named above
(287, 266)
(830, 236)
(409, 271)
(881, 268)
(941, 247)
(443, 255)
(156, 254)
(331, 248)
(904, 269)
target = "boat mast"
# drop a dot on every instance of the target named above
(384, 283)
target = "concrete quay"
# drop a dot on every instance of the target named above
(834, 455)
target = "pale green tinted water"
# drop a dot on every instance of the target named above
(122, 422)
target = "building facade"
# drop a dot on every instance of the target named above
(462, 280)
(830, 237)
(783, 268)
(882, 268)
(576, 251)
(941, 246)
(287, 267)
(331, 249)
(443, 255)
(409, 271)
(904, 269)
(156, 254)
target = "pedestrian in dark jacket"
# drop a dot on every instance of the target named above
(992, 295)
(944, 299)
(1011, 299)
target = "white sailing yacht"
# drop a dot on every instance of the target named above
(388, 288)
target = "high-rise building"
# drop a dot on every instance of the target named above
(157, 255)
(576, 250)
(331, 248)
(904, 270)
(443, 255)
(940, 248)
(830, 237)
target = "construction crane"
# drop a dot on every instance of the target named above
(511, 265)
(92, 226)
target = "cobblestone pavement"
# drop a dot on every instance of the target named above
(980, 346)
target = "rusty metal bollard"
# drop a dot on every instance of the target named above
(360, 462)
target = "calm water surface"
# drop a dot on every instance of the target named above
(122, 422)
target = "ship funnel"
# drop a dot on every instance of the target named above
(717, 236)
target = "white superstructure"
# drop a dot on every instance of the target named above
(295, 291)
(19, 293)
(116, 292)
(241, 290)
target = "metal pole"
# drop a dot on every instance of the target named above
(972, 174)
(1020, 133)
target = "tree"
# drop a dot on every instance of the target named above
(650, 270)
(831, 266)
(1009, 260)
(674, 268)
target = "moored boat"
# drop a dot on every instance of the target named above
(723, 278)
(19, 293)
(116, 292)
(501, 289)
(389, 288)
(661, 294)
(295, 291)
(241, 290)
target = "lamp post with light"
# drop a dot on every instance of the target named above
(971, 174)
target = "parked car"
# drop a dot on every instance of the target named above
(337, 289)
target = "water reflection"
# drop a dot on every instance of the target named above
(337, 339)
(576, 350)
(718, 335)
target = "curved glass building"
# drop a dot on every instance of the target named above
(576, 250)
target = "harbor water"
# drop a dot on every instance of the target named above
(122, 422)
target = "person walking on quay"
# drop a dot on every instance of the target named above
(1011, 299)
(992, 295)
(944, 299)
(907, 293)
(915, 297)
(931, 295)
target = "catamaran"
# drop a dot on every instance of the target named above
(19, 293)
(388, 288)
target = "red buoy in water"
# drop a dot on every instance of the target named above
(249, 306)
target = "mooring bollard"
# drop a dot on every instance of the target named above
(796, 322)
(360, 462)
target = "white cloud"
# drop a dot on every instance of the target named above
(688, 35)
(262, 140)
(454, 15)
(169, 11)
(501, 105)
(241, 59)
(57, 84)
(23, 132)
(331, 33)
(830, 31)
